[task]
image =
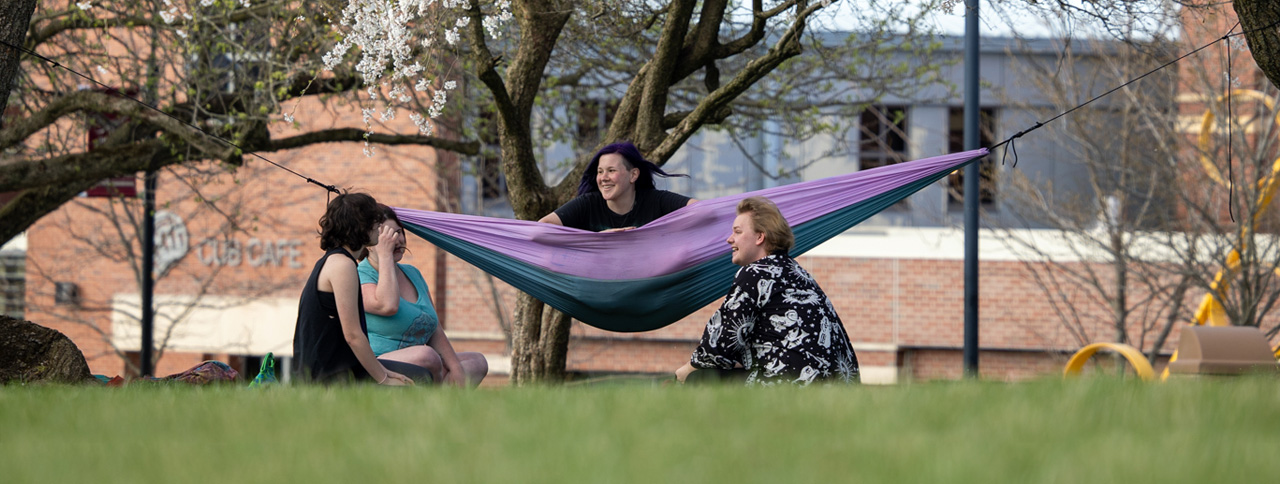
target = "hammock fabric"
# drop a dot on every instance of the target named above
(650, 277)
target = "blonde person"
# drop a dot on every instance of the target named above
(330, 340)
(776, 325)
(403, 325)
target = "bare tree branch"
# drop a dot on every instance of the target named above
(471, 148)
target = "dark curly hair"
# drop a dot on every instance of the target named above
(348, 220)
(389, 213)
(631, 155)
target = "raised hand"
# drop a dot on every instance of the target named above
(386, 240)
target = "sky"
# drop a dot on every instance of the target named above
(1003, 18)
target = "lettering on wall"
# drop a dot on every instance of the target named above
(172, 240)
(254, 252)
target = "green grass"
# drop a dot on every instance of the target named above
(1048, 431)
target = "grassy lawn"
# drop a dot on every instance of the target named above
(1101, 430)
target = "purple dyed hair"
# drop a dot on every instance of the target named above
(633, 158)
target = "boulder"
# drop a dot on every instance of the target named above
(33, 353)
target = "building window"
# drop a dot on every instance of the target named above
(248, 366)
(133, 364)
(100, 126)
(882, 138)
(488, 167)
(987, 171)
(492, 184)
(12, 284)
(594, 117)
(229, 56)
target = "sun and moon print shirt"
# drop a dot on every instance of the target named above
(778, 325)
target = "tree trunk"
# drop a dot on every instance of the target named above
(539, 342)
(1120, 303)
(15, 16)
(555, 345)
(526, 333)
(1260, 20)
(1175, 310)
(540, 335)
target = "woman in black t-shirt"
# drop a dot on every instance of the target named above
(617, 193)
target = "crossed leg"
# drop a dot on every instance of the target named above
(474, 366)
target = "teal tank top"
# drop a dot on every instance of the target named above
(412, 325)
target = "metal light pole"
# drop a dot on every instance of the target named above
(971, 195)
(145, 366)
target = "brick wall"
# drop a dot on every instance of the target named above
(78, 244)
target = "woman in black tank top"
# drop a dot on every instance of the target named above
(330, 341)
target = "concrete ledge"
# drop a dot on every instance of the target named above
(879, 375)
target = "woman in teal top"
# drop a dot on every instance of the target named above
(401, 320)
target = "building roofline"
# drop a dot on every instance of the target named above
(16, 245)
(1005, 44)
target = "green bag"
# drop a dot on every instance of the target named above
(266, 374)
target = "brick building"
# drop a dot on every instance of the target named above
(232, 275)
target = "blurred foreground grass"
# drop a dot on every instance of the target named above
(1219, 430)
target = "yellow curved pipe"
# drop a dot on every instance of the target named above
(1135, 357)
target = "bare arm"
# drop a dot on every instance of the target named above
(691, 202)
(339, 273)
(551, 218)
(453, 372)
(383, 298)
(683, 372)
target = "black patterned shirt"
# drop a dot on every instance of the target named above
(778, 325)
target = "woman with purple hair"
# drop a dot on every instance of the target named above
(617, 193)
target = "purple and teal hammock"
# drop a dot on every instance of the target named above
(650, 277)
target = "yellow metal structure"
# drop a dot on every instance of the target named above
(1210, 312)
(1136, 359)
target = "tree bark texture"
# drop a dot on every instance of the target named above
(29, 205)
(541, 24)
(539, 333)
(539, 342)
(1260, 20)
(555, 344)
(15, 16)
(33, 353)
(526, 335)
